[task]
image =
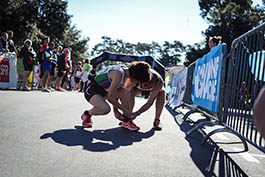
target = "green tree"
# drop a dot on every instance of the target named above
(53, 19)
(20, 17)
(170, 53)
(155, 49)
(35, 19)
(78, 45)
(194, 52)
(228, 19)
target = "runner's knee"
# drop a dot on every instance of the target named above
(105, 109)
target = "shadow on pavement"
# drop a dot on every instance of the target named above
(209, 158)
(97, 140)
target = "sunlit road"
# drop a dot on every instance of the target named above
(41, 135)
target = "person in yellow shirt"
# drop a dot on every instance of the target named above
(84, 78)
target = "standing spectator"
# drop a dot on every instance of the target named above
(28, 55)
(60, 50)
(3, 42)
(53, 68)
(77, 75)
(214, 41)
(10, 42)
(46, 66)
(40, 56)
(84, 78)
(62, 58)
(20, 70)
(243, 92)
(67, 77)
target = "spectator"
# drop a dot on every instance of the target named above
(77, 75)
(84, 78)
(67, 77)
(43, 47)
(40, 56)
(214, 41)
(60, 50)
(20, 70)
(259, 112)
(243, 92)
(10, 42)
(53, 68)
(28, 55)
(3, 42)
(46, 66)
(62, 58)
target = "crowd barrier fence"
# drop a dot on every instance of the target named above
(241, 77)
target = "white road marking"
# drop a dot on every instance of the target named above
(101, 141)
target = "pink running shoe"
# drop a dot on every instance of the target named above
(130, 126)
(87, 122)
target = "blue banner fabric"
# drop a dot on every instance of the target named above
(206, 79)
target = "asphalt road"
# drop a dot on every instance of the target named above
(41, 135)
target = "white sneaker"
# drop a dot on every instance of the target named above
(50, 89)
(45, 90)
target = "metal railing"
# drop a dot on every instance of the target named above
(245, 78)
(242, 76)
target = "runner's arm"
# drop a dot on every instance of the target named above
(116, 78)
(150, 101)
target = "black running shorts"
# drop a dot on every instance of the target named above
(52, 70)
(60, 73)
(92, 89)
(28, 67)
(77, 80)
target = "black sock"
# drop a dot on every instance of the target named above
(126, 119)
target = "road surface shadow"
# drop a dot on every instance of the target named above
(97, 140)
(209, 158)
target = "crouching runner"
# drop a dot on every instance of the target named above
(154, 90)
(108, 84)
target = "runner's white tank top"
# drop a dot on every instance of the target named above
(102, 77)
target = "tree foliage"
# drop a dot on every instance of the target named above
(169, 54)
(228, 19)
(36, 19)
(33, 20)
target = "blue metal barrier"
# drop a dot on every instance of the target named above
(241, 78)
(245, 79)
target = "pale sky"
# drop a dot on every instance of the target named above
(139, 20)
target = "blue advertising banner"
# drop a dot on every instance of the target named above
(256, 62)
(206, 79)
